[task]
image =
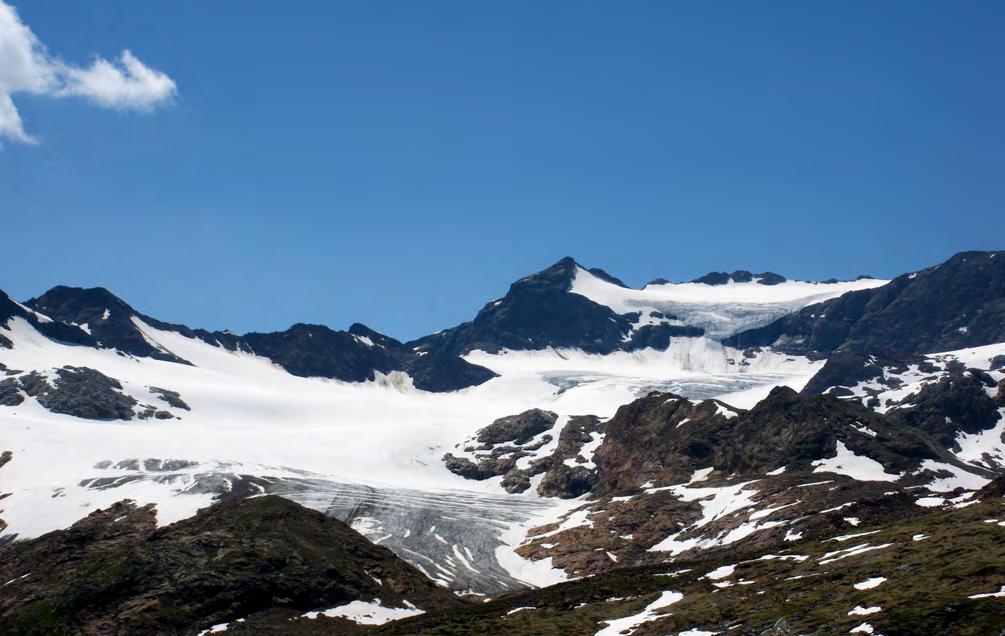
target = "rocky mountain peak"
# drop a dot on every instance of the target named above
(78, 304)
(367, 336)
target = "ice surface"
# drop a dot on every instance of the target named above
(721, 310)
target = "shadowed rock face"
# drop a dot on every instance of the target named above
(960, 303)
(115, 572)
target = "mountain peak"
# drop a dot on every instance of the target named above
(62, 300)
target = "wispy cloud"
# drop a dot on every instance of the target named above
(27, 67)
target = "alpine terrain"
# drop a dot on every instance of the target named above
(737, 454)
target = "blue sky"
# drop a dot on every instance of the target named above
(400, 163)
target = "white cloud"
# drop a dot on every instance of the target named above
(27, 67)
(130, 84)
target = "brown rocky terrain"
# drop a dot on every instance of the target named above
(116, 572)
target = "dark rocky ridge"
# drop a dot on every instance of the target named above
(304, 350)
(317, 351)
(116, 572)
(958, 304)
(110, 321)
(740, 276)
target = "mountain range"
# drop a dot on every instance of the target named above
(739, 453)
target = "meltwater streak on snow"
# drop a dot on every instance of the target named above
(721, 310)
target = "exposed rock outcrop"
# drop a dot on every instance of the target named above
(81, 392)
(115, 572)
(519, 447)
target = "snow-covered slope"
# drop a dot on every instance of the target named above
(249, 417)
(314, 439)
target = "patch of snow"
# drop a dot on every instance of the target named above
(870, 583)
(999, 594)
(861, 467)
(845, 537)
(858, 610)
(959, 478)
(862, 548)
(986, 447)
(715, 502)
(367, 612)
(767, 512)
(721, 572)
(218, 628)
(628, 624)
(725, 412)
